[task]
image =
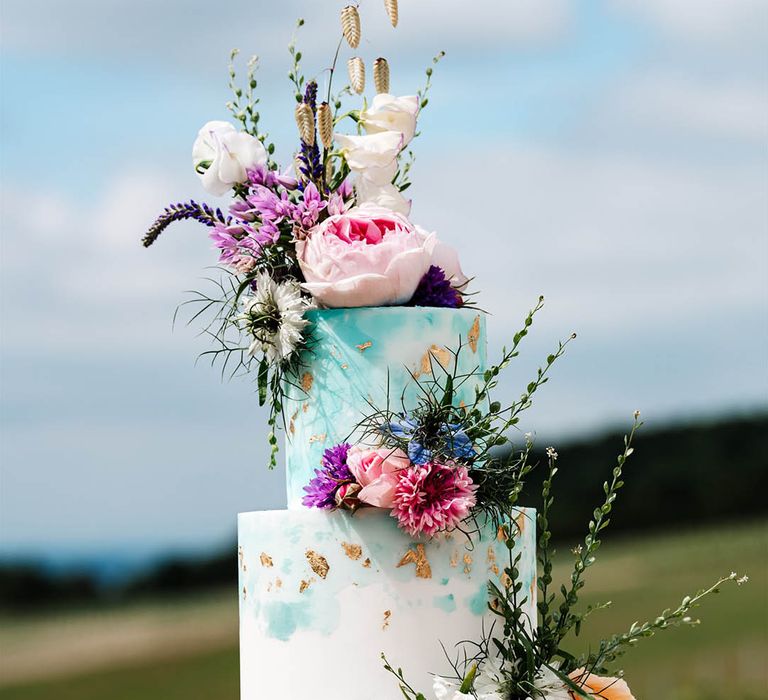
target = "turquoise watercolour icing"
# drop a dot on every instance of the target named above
(282, 591)
(367, 356)
(446, 603)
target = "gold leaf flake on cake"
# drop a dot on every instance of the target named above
(266, 560)
(278, 583)
(520, 521)
(306, 381)
(387, 615)
(305, 407)
(317, 438)
(305, 584)
(292, 423)
(418, 557)
(502, 534)
(364, 346)
(367, 564)
(492, 565)
(245, 593)
(353, 551)
(467, 563)
(454, 558)
(318, 563)
(442, 355)
(506, 581)
(474, 334)
(241, 558)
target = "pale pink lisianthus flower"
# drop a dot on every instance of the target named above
(600, 687)
(432, 497)
(378, 472)
(369, 256)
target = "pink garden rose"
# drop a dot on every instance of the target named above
(378, 472)
(369, 256)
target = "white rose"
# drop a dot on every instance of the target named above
(371, 150)
(221, 156)
(390, 113)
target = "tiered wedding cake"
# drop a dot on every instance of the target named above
(403, 545)
(323, 594)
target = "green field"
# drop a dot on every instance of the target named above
(725, 657)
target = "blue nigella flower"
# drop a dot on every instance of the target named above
(454, 440)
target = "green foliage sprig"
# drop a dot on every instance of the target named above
(295, 75)
(523, 649)
(244, 102)
(405, 688)
(423, 92)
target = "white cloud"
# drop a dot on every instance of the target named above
(76, 275)
(615, 241)
(691, 106)
(707, 21)
(172, 28)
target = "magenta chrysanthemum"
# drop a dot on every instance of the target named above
(433, 497)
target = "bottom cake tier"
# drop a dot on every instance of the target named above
(323, 595)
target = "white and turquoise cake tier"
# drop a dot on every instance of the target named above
(323, 595)
(364, 357)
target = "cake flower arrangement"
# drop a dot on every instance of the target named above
(330, 230)
(435, 465)
(333, 230)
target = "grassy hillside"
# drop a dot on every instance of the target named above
(724, 658)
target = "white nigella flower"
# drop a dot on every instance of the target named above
(549, 686)
(274, 315)
(486, 686)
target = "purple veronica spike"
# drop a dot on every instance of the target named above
(177, 212)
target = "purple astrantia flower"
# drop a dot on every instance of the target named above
(308, 210)
(345, 189)
(260, 175)
(266, 204)
(240, 240)
(322, 489)
(435, 290)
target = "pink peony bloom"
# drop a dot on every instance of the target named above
(378, 472)
(368, 256)
(433, 497)
(601, 688)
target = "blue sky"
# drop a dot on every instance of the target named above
(610, 155)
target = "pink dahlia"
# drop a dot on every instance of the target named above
(433, 497)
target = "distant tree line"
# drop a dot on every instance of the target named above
(678, 477)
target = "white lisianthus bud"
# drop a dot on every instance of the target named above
(350, 25)
(222, 156)
(325, 124)
(381, 75)
(356, 69)
(391, 7)
(305, 120)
